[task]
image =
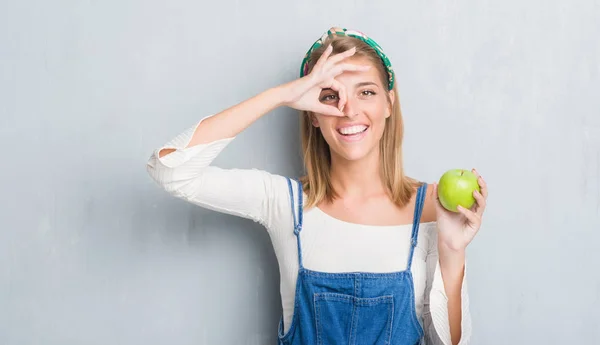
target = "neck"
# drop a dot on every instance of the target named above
(357, 179)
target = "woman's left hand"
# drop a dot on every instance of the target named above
(457, 229)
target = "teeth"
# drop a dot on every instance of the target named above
(352, 130)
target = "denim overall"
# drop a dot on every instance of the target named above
(355, 307)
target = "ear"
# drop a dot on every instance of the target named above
(392, 98)
(313, 120)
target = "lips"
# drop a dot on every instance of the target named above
(352, 130)
(352, 133)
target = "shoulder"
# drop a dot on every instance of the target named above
(285, 188)
(281, 203)
(429, 214)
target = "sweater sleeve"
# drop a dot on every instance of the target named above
(187, 173)
(435, 313)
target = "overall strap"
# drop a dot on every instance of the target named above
(298, 219)
(421, 193)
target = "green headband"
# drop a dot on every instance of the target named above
(351, 33)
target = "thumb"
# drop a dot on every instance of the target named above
(327, 110)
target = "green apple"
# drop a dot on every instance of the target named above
(456, 187)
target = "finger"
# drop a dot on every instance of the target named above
(482, 184)
(327, 110)
(483, 187)
(323, 57)
(481, 202)
(341, 56)
(341, 90)
(346, 67)
(471, 216)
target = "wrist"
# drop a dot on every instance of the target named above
(283, 94)
(450, 249)
(451, 260)
(276, 96)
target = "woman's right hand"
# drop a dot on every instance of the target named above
(303, 93)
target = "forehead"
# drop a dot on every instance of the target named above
(372, 75)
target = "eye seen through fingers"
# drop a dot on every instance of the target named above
(330, 96)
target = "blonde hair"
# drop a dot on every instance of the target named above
(316, 154)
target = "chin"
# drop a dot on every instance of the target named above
(356, 153)
(352, 155)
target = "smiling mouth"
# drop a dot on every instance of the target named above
(353, 130)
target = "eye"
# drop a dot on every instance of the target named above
(368, 93)
(329, 98)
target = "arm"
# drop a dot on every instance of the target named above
(452, 264)
(446, 312)
(455, 231)
(182, 166)
(301, 94)
(186, 173)
(232, 121)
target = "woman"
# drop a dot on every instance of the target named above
(367, 255)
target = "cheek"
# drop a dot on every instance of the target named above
(379, 114)
(379, 121)
(324, 122)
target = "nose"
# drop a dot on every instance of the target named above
(350, 108)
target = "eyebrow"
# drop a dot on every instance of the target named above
(365, 83)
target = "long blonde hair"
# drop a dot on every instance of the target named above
(317, 157)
